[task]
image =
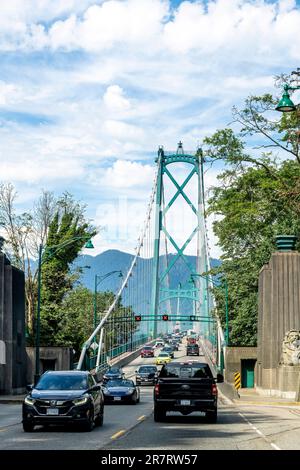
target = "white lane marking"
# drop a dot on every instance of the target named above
(260, 433)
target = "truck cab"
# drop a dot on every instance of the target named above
(186, 387)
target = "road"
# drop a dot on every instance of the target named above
(132, 427)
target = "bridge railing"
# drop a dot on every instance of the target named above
(105, 358)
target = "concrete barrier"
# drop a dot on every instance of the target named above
(122, 360)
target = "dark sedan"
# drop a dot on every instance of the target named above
(170, 350)
(121, 391)
(113, 373)
(146, 375)
(62, 397)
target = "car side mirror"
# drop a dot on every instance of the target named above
(220, 378)
(29, 388)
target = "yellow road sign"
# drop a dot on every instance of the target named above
(237, 380)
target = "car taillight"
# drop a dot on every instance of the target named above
(214, 390)
(156, 389)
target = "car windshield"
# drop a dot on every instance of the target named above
(62, 382)
(114, 370)
(120, 383)
(147, 348)
(163, 355)
(147, 369)
(187, 372)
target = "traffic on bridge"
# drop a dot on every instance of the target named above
(149, 229)
(239, 425)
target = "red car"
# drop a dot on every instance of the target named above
(147, 351)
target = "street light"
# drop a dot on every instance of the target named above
(286, 105)
(50, 251)
(226, 302)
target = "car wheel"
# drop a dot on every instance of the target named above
(159, 414)
(99, 418)
(134, 400)
(28, 426)
(211, 416)
(89, 424)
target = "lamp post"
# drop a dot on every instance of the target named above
(286, 105)
(52, 251)
(226, 303)
(98, 280)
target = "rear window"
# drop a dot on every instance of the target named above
(186, 372)
(147, 369)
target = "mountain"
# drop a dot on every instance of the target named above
(115, 260)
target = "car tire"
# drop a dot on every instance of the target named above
(28, 426)
(211, 416)
(134, 400)
(159, 414)
(89, 424)
(99, 418)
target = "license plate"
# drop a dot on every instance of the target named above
(185, 402)
(52, 411)
(117, 398)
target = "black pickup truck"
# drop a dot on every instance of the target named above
(186, 387)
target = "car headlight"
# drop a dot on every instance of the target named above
(130, 391)
(80, 401)
(29, 401)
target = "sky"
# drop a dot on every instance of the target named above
(90, 89)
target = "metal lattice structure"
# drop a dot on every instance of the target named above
(161, 278)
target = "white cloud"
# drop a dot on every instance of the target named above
(123, 131)
(114, 22)
(100, 84)
(126, 174)
(115, 100)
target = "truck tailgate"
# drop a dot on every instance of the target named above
(191, 388)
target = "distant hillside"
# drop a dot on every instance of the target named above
(113, 260)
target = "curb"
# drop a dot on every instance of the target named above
(11, 401)
(265, 403)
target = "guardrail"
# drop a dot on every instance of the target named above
(90, 362)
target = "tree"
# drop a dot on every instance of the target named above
(67, 235)
(51, 221)
(77, 321)
(23, 234)
(257, 199)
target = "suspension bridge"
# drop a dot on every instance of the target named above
(163, 287)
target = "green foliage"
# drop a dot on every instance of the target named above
(255, 207)
(76, 319)
(257, 199)
(67, 235)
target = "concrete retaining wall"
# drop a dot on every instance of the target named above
(234, 356)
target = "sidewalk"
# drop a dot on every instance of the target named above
(249, 396)
(12, 399)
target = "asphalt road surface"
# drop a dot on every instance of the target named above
(132, 427)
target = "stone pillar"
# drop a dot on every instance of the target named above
(279, 312)
(12, 328)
